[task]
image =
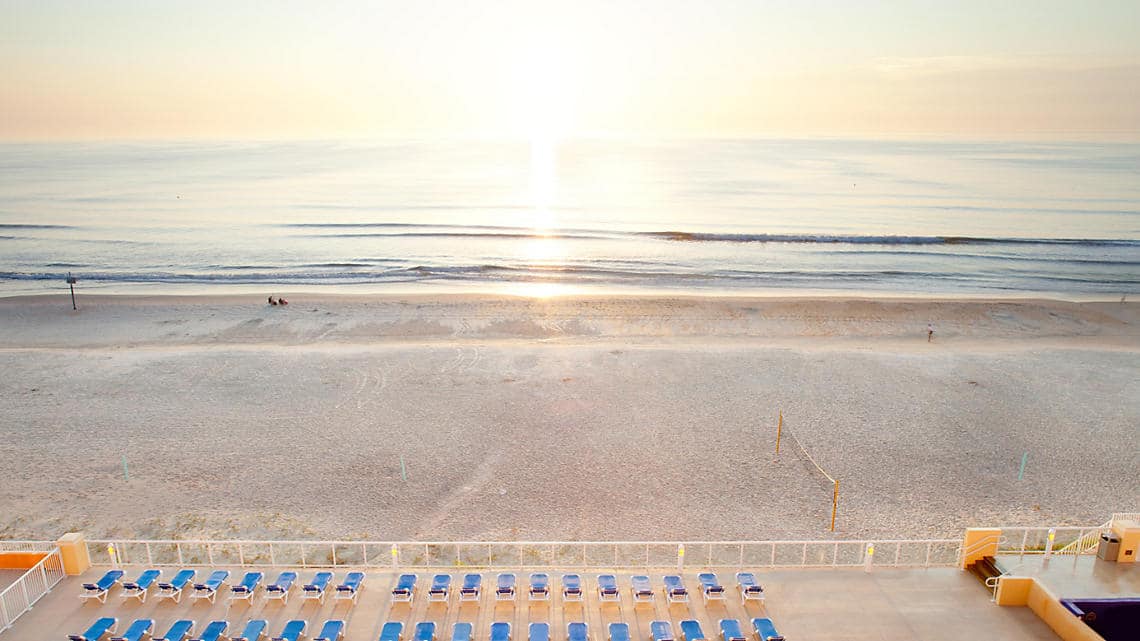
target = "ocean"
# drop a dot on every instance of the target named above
(704, 217)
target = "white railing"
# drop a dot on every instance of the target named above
(1124, 516)
(26, 546)
(19, 597)
(563, 554)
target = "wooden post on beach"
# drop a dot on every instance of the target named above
(71, 280)
(834, 505)
(779, 428)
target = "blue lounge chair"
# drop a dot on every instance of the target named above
(607, 588)
(750, 590)
(571, 587)
(619, 632)
(215, 631)
(173, 589)
(178, 631)
(710, 587)
(440, 588)
(424, 631)
(392, 631)
(641, 589)
(254, 630)
(139, 588)
(766, 630)
(462, 632)
(500, 631)
(661, 630)
(691, 630)
(351, 586)
(471, 588)
(333, 630)
(208, 589)
(577, 631)
(99, 589)
(139, 629)
(292, 630)
(405, 589)
(539, 586)
(538, 632)
(281, 588)
(675, 591)
(247, 587)
(97, 630)
(505, 591)
(730, 630)
(315, 589)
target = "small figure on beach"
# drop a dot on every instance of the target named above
(272, 301)
(929, 332)
(282, 301)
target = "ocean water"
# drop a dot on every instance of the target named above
(730, 216)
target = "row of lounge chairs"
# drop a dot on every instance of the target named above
(730, 630)
(641, 588)
(183, 630)
(183, 580)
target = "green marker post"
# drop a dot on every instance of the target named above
(126, 472)
(1021, 472)
(403, 469)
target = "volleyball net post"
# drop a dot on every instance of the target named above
(779, 429)
(811, 464)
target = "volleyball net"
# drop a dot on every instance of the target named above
(810, 464)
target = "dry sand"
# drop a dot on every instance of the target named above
(567, 418)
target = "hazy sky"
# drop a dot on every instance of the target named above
(111, 69)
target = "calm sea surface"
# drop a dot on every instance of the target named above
(754, 216)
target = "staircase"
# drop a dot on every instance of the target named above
(987, 571)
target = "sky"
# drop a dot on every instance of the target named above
(207, 69)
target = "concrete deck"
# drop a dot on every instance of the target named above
(842, 604)
(1087, 577)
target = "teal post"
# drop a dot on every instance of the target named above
(126, 472)
(1021, 472)
(403, 469)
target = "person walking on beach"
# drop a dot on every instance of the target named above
(929, 332)
(271, 301)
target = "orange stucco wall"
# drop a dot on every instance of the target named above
(20, 560)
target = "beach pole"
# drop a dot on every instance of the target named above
(403, 469)
(71, 280)
(834, 505)
(1021, 472)
(126, 472)
(779, 429)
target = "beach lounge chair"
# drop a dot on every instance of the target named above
(178, 631)
(97, 630)
(750, 590)
(208, 589)
(675, 591)
(462, 632)
(571, 587)
(539, 587)
(440, 588)
(254, 630)
(471, 588)
(292, 630)
(351, 586)
(500, 631)
(505, 591)
(766, 630)
(607, 588)
(173, 589)
(214, 631)
(315, 589)
(640, 588)
(619, 632)
(730, 630)
(281, 588)
(538, 632)
(424, 631)
(392, 631)
(661, 630)
(99, 589)
(577, 631)
(139, 629)
(247, 587)
(405, 589)
(332, 630)
(139, 588)
(691, 630)
(710, 587)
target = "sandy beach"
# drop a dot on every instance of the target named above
(589, 418)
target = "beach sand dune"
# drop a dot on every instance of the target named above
(591, 418)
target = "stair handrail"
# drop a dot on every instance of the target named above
(992, 584)
(1086, 543)
(964, 553)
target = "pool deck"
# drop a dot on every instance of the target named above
(1087, 577)
(842, 604)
